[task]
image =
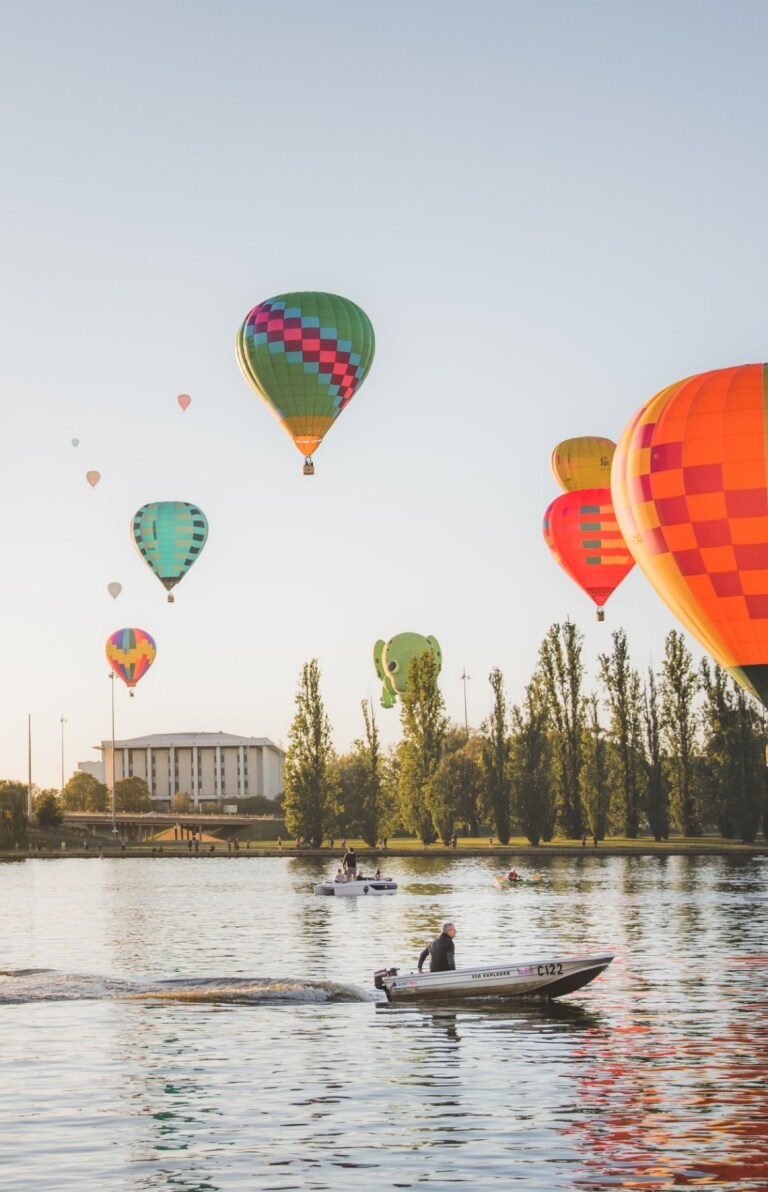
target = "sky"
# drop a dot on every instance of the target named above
(549, 212)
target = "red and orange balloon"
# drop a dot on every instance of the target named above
(581, 530)
(690, 487)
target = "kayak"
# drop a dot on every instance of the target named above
(503, 882)
(543, 977)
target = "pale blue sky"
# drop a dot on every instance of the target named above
(548, 211)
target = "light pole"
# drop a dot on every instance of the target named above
(63, 722)
(464, 676)
(114, 818)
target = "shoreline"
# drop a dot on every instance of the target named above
(539, 852)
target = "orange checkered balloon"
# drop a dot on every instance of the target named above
(690, 489)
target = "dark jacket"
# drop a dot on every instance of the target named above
(441, 954)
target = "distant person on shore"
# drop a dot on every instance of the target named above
(349, 863)
(279, 842)
(441, 952)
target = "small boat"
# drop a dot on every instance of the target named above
(358, 888)
(543, 977)
(503, 881)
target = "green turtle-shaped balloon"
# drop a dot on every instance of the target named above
(392, 658)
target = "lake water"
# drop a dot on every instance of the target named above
(208, 1023)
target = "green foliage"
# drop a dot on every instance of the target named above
(83, 792)
(132, 794)
(733, 761)
(13, 813)
(531, 766)
(457, 788)
(624, 700)
(656, 785)
(365, 795)
(424, 728)
(181, 803)
(48, 811)
(310, 765)
(679, 687)
(497, 760)
(561, 677)
(594, 774)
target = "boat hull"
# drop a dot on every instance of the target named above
(371, 887)
(543, 977)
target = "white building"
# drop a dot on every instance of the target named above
(205, 766)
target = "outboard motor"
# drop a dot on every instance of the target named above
(387, 972)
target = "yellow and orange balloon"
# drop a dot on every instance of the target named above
(584, 462)
(690, 489)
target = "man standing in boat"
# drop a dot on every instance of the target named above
(349, 862)
(441, 951)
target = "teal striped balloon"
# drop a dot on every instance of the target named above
(169, 536)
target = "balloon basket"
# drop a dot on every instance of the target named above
(600, 614)
(309, 468)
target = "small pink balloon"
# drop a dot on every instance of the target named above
(93, 478)
(184, 400)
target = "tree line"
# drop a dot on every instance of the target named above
(680, 750)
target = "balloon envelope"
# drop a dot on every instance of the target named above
(93, 478)
(184, 400)
(169, 536)
(691, 493)
(130, 653)
(114, 590)
(306, 355)
(583, 463)
(75, 442)
(581, 530)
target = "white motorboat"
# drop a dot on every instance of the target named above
(358, 888)
(543, 977)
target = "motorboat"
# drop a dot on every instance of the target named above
(358, 888)
(504, 881)
(542, 977)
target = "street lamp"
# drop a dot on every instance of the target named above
(463, 677)
(114, 818)
(63, 722)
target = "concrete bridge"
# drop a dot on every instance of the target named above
(135, 825)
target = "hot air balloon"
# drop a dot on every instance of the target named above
(169, 535)
(93, 478)
(583, 463)
(581, 530)
(114, 590)
(184, 400)
(75, 442)
(130, 653)
(689, 487)
(306, 355)
(392, 659)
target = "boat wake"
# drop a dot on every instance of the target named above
(18, 986)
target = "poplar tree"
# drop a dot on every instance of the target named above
(533, 800)
(425, 726)
(594, 778)
(624, 701)
(496, 759)
(679, 688)
(363, 789)
(733, 760)
(309, 778)
(656, 786)
(561, 672)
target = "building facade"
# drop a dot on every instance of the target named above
(208, 767)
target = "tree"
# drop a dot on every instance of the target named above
(84, 792)
(364, 792)
(622, 685)
(309, 779)
(424, 729)
(679, 687)
(496, 759)
(13, 813)
(733, 756)
(594, 775)
(656, 786)
(48, 812)
(181, 803)
(458, 785)
(531, 766)
(561, 675)
(132, 794)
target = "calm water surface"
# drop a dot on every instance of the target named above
(208, 1023)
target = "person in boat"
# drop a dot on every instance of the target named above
(513, 876)
(377, 876)
(349, 863)
(441, 952)
(339, 875)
